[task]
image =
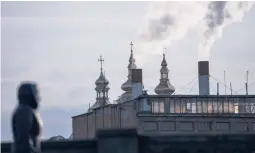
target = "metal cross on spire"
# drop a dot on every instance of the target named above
(131, 44)
(164, 51)
(101, 62)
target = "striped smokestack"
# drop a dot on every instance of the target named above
(203, 74)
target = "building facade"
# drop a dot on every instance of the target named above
(166, 113)
(154, 114)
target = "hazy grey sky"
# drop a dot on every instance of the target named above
(58, 45)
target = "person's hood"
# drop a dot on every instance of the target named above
(28, 94)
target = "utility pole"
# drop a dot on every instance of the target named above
(246, 84)
(225, 83)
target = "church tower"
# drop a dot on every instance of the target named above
(164, 87)
(101, 89)
(127, 86)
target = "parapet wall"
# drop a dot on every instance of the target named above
(128, 141)
(84, 146)
(108, 117)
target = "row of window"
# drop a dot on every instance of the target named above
(101, 94)
(198, 107)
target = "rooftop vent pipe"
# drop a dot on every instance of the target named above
(203, 74)
(137, 83)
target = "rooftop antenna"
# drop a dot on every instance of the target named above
(225, 83)
(231, 90)
(246, 84)
(217, 88)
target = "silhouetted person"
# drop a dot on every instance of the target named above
(26, 122)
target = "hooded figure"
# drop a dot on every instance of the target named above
(26, 122)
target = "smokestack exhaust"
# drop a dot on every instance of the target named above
(137, 83)
(203, 74)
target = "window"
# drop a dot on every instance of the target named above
(236, 108)
(199, 107)
(144, 106)
(161, 107)
(101, 94)
(231, 107)
(210, 107)
(172, 107)
(164, 75)
(226, 107)
(158, 107)
(188, 105)
(193, 108)
(252, 108)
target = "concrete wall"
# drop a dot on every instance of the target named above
(128, 141)
(86, 146)
(108, 117)
(198, 144)
(164, 125)
(128, 115)
(80, 131)
(118, 141)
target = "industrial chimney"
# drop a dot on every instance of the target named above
(203, 74)
(137, 83)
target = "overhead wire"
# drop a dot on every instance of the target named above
(236, 92)
(193, 87)
(221, 83)
(185, 85)
(213, 90)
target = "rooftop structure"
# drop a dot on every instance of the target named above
(127, 86)
(164, 87)
(166, 113)
(172, 114)
(101, 89)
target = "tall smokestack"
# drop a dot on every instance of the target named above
(137, 83)
(203, 73)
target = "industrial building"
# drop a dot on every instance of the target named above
(165, 113)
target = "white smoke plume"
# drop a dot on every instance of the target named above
(166, 22)
(219, 15)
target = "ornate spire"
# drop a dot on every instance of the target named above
(164, 87)
(127, 86)
(101, 88)
(164, 63)
(131, 64)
